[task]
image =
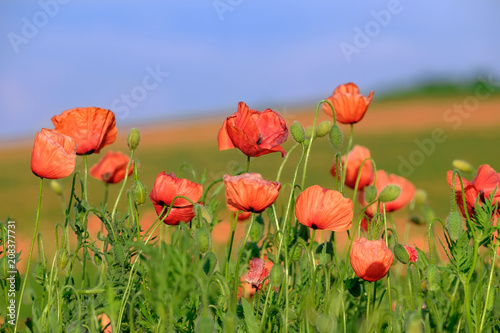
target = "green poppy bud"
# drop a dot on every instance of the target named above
(454, 225)
(229, 323)
(62, 259)
(323, 129)
(134, 137)
(202, 240)
(336, 137)
(209, 263)
(297, 131)
(204, 324)
(56, 186)
(389, 193)
(370, 193)
(463, 166)
(401, 254)
(276, 275)
(433, 277)
(309, 132)
(420, 197)
(139, 192)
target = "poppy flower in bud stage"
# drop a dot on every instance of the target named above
(165, 189)
(257, 273)
(354, 160)
(412, 252)
(383, 179)
(486, 182)
(350, 106)
(370, 260)
(320, 208)
(249, 192)
(91, 127)
(253, 132)
(53, 155)
(111, 167)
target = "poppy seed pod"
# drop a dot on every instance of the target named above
(370, 260)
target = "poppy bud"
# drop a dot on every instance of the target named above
(204, 324)
(417, 219)
(491, 297)
(229, 323)
(202, 240)
(325, 323)
(336, 137)
(55, 185)
(97, 259)
(454, 225)
(62, 258)
(209, 263)
(389, 193)
(420, 197)
(40, 271)
(257, 230)
(309, 132)
(463, 166)
(139, 192)
(433, 277)
(370, 193)
(133, 139)
(298, 133)
(323, 129)
(401, 254)
(276, 275)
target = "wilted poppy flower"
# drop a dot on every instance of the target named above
(383, 179)
(482, 186)
(412, 253)
(249, 192)
(320, 208)
(354, 160)
(53, 155)
(350, 106)
(370, 260)
(257, 273)
(166, 188)
(253, 132)
(92, 128)
(111, 167)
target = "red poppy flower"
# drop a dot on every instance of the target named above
(257, 273)
(320, 208)
(350, 106)
(249, 192)
(383, 179)
(53, 155)
(111, 167)
(412, 252)
(482, 186)
(166, 188)
(92, 128)
(253, 132)
(354, 160)
(370, 260)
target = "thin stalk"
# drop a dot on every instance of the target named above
(123, 185)
(313, 136)
(248, 164)
(230, 245)
(85, 176)
(26, 275)
(349, 145)
(280, 170)
(240, 252)
(488, 290)
(370, 285)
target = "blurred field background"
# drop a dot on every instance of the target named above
(391, 129)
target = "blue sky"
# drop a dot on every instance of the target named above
(151, 60)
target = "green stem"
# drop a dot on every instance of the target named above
(349, 145)
(85, 175)
(284, 161)
(313, 136)
(26, 275)
(240, 252)
(106, 190)
(370, 285)
(123, 185)
(230, 245)
(248, 164)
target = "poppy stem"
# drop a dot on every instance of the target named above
(242, 249)
(248, 164)
(37, 219)
(230, 246)
(123, 184)
(368, 300)
(349, 146)
(86, 167)
(313, 137)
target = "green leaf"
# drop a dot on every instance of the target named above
(250, 321)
